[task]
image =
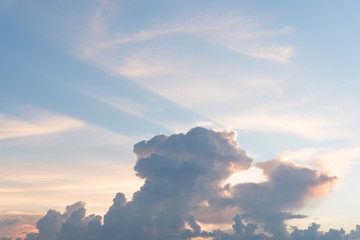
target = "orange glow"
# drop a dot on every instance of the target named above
(325, 188)
(21, 231)
(235, 167)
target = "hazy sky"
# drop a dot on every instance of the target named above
(81, 82)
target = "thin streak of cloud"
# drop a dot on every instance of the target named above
(144, 65)
(144, 110)
(121, 103)
(232, 32)
(46, 124)
(316, 127)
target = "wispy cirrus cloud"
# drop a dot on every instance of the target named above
(315, 127)
(11, 127)
(155, 57)
(122, 103)
(234, 31)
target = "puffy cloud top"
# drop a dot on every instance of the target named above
(184, 176)
(181, 171)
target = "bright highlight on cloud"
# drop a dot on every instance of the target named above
(253, 175)
(183, 190)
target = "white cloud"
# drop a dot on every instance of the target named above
(252, 175)
(332, 161)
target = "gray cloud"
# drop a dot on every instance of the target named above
(313, 233)
(288, 186)
(71, 225)
(181, 172)
(183, 176)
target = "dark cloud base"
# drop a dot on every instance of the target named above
(184, 176)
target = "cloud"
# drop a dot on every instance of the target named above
(16, 224)
(287, 188)
(44, 124)
(181, 171)
(223, 79)
(107, 47)
(149, 55)
(124, 104)
(253, 175)
(316, 127)
(151, 64)
(234, 31)
(72, 224)
(313, 233)
(138, 57)
(329, 160)
(184, 178)
(147, 65)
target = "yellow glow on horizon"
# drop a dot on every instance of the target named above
(94, 183)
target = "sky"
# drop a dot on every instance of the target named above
(259, 93)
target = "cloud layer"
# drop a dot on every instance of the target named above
(184, 190)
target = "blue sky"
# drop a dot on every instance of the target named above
(82, 82)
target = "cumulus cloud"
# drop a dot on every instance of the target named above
(72, 224)
(184, 176)
(181, 171)
(313, 233)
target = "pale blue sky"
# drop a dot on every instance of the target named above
(82, 82)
